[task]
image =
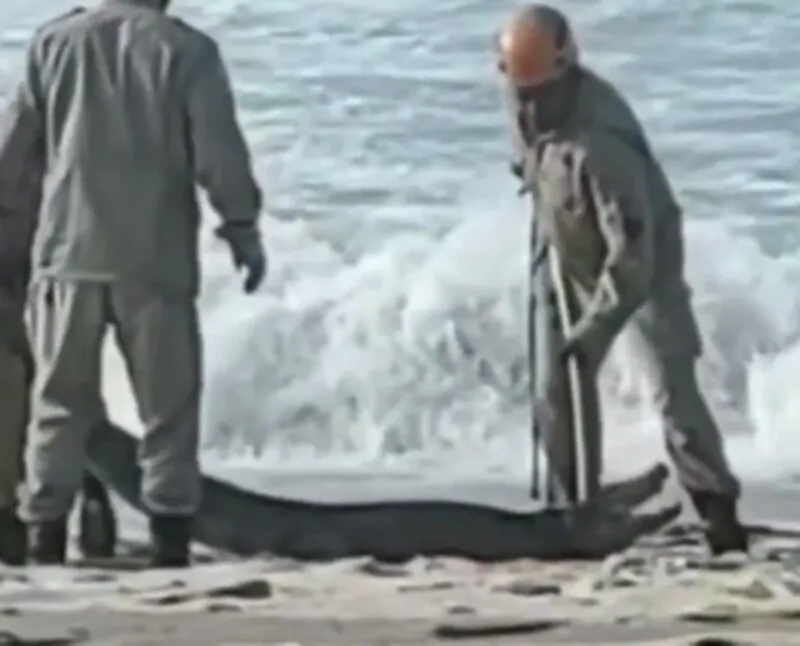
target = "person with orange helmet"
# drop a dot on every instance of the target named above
(604, 203)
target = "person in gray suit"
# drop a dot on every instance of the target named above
(130, 109)
(605, 204)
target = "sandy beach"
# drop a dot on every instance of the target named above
(664, 590)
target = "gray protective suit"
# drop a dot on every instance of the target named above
(19, 203)
(13, 413)
(606, 206)
(131, 109)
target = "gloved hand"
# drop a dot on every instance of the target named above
(247, 252)
(518, 171)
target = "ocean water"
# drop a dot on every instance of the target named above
(390, 334)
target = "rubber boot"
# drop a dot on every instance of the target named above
(98, 522)
(171, 538)
(723, 530)
(47, 542)
(13, 539)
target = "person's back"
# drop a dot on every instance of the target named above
(119, 197)
(602, 108)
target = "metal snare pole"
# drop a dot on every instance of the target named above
(537, 256)
(573, 375)
(536, 430)
(536, 433)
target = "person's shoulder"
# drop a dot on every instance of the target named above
(190, 36)
(600, 91)
(609, 129)
(61, 18)
(605, 112)
(59, 23)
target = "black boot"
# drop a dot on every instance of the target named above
(13, 541)
(171, 538)
(98, 523)
(47, 542)
(724, 532)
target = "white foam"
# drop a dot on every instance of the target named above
(407, 354)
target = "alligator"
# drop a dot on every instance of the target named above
(244, 523)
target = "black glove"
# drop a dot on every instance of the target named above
(518, 170)
(247, 252)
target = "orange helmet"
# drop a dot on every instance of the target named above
(536, 46)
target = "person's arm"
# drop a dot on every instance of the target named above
(613, 180)
(22, 142)
(222, 162)
(21, 175)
